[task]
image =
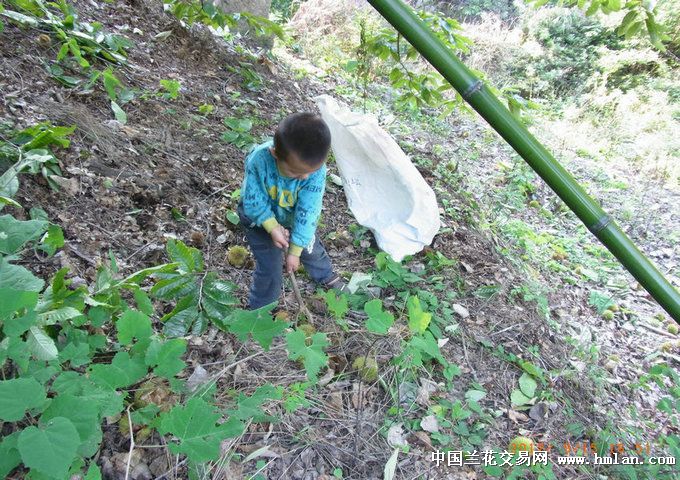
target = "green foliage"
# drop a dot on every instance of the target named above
(257, 323)
(51, 449)
(418, 319)
(196, 430)
(81, 42)
(572, 45)
(170, 89)
(29, 151)
(313, 356)
(600, 301)
(238, 132)
(69, 405)
(250, 78)
(338, 305)
(206, 109)
(417, 87)
(640, 16)
(475, 8)
(200, 295)
(285, 9)
(378, 320)
(194, 11)
(82, 45)
(392, 274)
(19, 395)
(526, 391)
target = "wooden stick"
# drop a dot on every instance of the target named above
(298, 297)
(657, 330)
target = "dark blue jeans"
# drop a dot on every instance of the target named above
(268, 274)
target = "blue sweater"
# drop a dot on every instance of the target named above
(270, 199)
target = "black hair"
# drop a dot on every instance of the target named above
(306, 135)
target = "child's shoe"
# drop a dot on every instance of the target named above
(337, 284)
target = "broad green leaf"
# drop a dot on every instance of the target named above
(9, 183)
(15, 233)
(111, 83)
(230, 136)
(133, 324)
(418, 320)
(9, 454)
(258, 323)
(52, 240)
(8, 201)
(175, 287)
(50, 449)
(424, 347)
(189, 258)
(527, 385)
(178, 324)
(12, 300)
(220, 291)
(84, 415)
(493, 470)
(233, 217)
(313, 356)
(137, 277)
(58, 316)
(531, 369)
(122, 372)
(18, 278)
(20, 18)
(143, 302)
(165, 356)
(600, 301)
(16, 350)
(119, 113)
(218, 299)
(93, 473)
(17, 396)
(73, 383)
(518, 398)
(475, 395)
(378, 321)
(627, 20)
(337, 304)
(14, 327)
(77, 354)
(251, 406)
(239, 124)
(196, 429)
(41, 345)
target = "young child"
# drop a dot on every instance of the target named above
(280, 205)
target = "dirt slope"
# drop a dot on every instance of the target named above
(123, 182)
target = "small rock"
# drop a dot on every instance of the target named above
(417, 268)
(538, 411)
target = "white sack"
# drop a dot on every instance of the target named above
(384, 190)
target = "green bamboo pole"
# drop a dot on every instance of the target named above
(478, 95)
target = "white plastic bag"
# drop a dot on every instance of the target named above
(384, 190)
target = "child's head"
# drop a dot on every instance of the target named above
(301, 143)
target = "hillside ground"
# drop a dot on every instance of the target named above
(167, 173)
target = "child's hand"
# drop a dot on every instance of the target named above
(292, 263)
(280, 237)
